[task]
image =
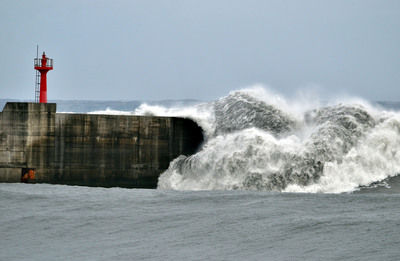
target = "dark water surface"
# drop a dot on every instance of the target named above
(55, 222)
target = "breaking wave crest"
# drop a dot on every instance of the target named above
(257, 140)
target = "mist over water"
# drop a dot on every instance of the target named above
(259, 140)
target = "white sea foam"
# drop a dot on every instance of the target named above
(109, 111)
(226, 161)
(262, 141)
(201, 113)
(375, 158)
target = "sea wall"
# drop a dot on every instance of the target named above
(95, 150)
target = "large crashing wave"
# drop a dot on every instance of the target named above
(240, 111)
(255, 143)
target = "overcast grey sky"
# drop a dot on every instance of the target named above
(177, 49)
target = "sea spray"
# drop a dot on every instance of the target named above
(109, 111)
(241, 110)
(376, 157)
(201, 113)
(258, 146)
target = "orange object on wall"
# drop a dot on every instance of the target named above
(31, 174)
(25, 178)
(27, 175)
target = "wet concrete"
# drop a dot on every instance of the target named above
(94, 150)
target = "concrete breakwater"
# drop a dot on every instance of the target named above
(86, 149)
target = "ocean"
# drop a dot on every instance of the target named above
(277, 178)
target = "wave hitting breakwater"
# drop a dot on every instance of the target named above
(256, 140)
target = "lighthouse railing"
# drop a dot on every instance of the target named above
(38, 62)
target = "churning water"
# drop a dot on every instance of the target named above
(256, 140)
(276, 179)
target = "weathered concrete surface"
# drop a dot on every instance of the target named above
(84, 149)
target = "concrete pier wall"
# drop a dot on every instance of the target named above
(95, 150)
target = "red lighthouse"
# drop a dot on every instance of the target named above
(43, 65)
